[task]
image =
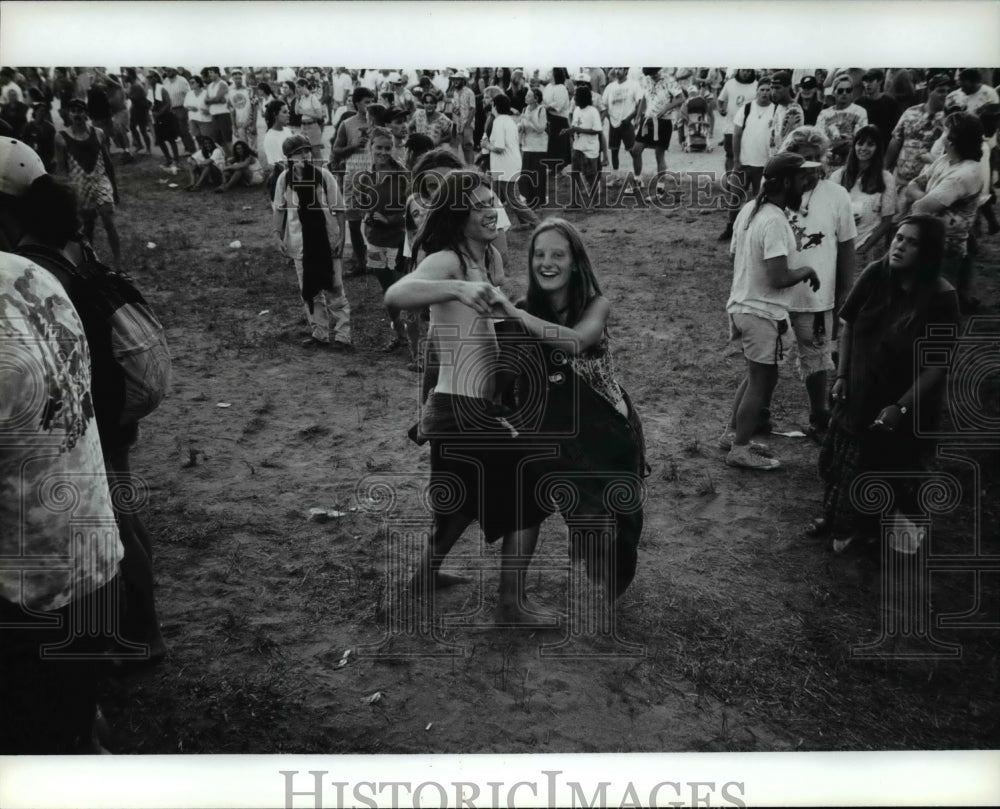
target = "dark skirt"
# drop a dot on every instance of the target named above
(846, 455)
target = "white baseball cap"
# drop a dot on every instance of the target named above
(20, 166)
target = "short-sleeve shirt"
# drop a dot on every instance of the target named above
(57, 526)
(958, 186)
(882, 354)
(972, 103)
(823, 220)
(587, 118)
(219, 107)
(758, 132)
(758, 237)
(660, 95)
(736, 95)
(868, 209)
(240, 101)
(840, 124)
(621, 99)
(917, 129)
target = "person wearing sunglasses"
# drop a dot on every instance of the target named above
(841, 121)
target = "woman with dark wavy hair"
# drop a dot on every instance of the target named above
(881, 404)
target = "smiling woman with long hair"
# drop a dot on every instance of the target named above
(567, 313)
(872, 190)
(881, 406)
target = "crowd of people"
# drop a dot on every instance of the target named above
(855, 194)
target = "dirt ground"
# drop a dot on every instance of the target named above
(736, 635)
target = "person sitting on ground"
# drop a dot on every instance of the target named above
(206, 164)
(243, 168)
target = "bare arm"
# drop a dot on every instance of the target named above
(892, 153)
(577, 339)
(780, 276)
(435, 280)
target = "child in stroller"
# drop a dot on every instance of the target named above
(698, 123)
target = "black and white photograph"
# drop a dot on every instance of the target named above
(364, 410)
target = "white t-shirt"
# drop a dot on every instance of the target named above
(971, 103)
(620, 99)
(755, 142)
(768, 236)
(222, 107)
(824, 218)
(736, 95)
(556, 98)
(504, 135)
(201, 115)
(869, 209)
(587, 118)
(343, 85)
(272, 145)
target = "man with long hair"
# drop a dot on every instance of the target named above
(762, 245)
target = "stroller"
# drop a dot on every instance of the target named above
(696, 120)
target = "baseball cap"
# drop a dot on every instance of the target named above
(461, 73)
(937, 80)
(873, 75)
(581, 78)
(394, 78)
(296, 143)
(76, 102)
(786, 163)
(808, 83)
(20, 166)
(782, 77)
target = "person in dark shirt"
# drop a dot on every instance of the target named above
(810, 98)
(99, 108)
(886, 396)
(40, 134)
(15, 113)
(883, 110)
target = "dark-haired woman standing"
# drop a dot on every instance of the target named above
(872, 190)
(878, 397)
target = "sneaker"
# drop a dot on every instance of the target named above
(746, 458)
(726, 444)
(727, 234)
(338, 345)
(312, 342)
